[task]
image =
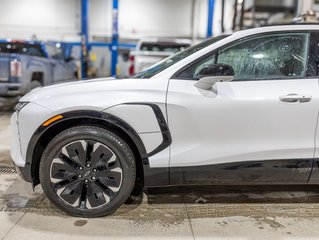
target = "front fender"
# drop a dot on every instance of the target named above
(43, 132)
(146, 119)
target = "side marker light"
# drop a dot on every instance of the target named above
(51, 120)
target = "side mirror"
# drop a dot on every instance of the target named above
(214, 73)
(216, 70)
(207, 83)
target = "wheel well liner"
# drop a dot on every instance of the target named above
(37, 76)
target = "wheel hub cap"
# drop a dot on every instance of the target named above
(86, 174)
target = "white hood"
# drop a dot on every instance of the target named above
(98, 93)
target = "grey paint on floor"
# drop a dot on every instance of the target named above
(272, 212)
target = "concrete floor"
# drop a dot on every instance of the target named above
(219, 212)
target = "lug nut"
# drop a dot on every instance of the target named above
(79, 175)
(81, 168)
(86, 180)
(94, 170)
(93, 178)
(88, 165)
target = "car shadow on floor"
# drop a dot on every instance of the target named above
(234, 194)
(176, 204)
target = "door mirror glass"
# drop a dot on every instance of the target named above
(214, 70)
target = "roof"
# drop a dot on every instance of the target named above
(277, 28)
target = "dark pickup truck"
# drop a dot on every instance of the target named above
(27, 65)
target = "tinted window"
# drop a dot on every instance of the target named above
(22, 48)
(262, 57)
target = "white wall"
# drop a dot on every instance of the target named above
(155, 17)
(60, 19)
(48, 19)
(100, 17)
(202, 16)
(143, 17)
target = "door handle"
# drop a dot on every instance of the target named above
(292, 98)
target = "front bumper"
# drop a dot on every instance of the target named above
(10, 89)
(23, 169)
(23, 126)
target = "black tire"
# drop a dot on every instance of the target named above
(102, 185)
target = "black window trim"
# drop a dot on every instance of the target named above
(309, 32)
(313, 59)
(36, 46)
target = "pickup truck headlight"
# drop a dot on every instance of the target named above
(19, 106)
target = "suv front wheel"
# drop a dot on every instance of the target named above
(87, 171)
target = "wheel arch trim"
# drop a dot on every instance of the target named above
(110, 120)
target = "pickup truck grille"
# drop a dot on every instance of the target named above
(4, 68)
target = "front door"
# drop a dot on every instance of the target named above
(259, 128)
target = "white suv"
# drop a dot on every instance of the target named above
(235, 109)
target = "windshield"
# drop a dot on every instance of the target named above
(167, 62)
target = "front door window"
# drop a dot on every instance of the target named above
(273, 56)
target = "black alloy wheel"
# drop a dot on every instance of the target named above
(86, 174)
(87, 171)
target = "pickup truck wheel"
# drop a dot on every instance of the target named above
(87, 171)
(35, 84)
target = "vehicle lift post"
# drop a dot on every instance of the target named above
(85, 48)
(211, 5)
(115, 38)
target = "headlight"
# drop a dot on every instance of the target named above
(19, 106)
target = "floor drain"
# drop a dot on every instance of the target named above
(7, 170)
